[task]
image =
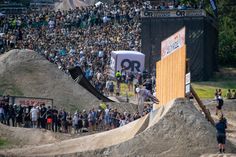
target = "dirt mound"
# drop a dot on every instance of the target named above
(18, 137)
(179, 130)
(24, 72)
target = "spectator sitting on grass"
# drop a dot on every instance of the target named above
(229, 94)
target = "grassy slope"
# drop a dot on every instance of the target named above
(224, 79)
(206, 90)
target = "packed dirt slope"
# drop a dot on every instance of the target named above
(177, 129)
(25, 72)
(19, 137)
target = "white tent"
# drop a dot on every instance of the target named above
(130, 60)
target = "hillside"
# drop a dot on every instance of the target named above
(26, 73)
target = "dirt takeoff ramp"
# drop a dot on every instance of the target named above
(179, 130)
(91, 142)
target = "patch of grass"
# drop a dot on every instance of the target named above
(206, 90)
(3, 143)
(124, 88)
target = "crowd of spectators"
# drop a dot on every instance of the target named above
(45, 117)
(81, 37)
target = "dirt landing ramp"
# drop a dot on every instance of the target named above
(26, 73)
(91, 142)
(218, 155)
(18, 137)
(180, 131)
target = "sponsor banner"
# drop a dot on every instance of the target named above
(25, 101)
(173, 13)
(172, 43)
(130, 60)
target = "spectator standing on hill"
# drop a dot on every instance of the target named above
(2, 113)
(34, 112)
(220, 103)
(221, 126)
(75, 120)
(118, 80)
(43, 115)
(55, 120)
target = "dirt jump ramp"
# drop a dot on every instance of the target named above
(177, 130)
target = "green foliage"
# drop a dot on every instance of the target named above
(227, 32)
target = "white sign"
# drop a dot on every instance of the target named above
(32, 101)
(173, 13)
(172, 43)
(129, 60)
(188, 78)
(187, 88)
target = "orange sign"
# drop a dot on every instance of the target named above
(172, 43)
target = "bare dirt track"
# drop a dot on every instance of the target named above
(177, 129)
(25, 72)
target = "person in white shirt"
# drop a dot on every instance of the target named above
(34, 113)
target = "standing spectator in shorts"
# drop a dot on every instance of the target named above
(75, 121)
(34, 116)
(221, 126)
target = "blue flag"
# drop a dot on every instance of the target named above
(214, 7)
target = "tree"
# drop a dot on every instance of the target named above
(227, 32)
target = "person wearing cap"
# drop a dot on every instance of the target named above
(143, 94)
(221, 127)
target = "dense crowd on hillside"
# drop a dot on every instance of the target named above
(45, 117)
(81, 37)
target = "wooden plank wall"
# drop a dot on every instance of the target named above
(170, 76)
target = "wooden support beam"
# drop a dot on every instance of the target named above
(202, 106)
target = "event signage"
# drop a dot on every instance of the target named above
(173, 13)
(172, 43)
(187, 83)
(26, 101)
(132, 61)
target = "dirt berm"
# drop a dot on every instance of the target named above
(25, 72)
(177, 129)
(22, 137)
